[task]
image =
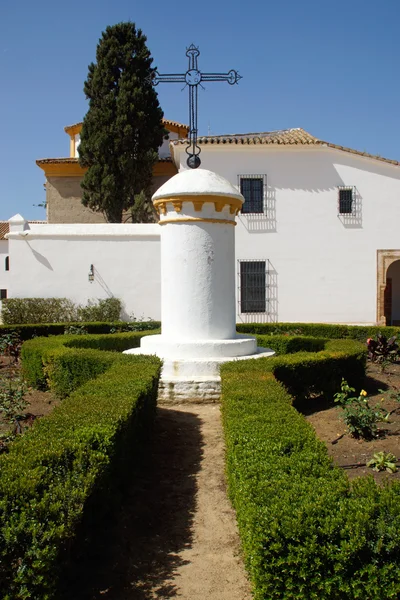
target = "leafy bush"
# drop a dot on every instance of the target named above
(100, 310)
(383, 461)
(306, 533)
(66, 464)
(10, 345)
(38, 310)
(58, 310)
(382, 349)
(361, 419)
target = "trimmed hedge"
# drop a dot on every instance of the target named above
(27, 332)
(320, 330)
(51, 363)
(306, 532)
(67, 463)
(284, 344)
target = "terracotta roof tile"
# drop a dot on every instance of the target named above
(47, 161)
(4, 228)
(166, 122)
(73, 160)
(287, 137)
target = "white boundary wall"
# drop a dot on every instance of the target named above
(54, 261)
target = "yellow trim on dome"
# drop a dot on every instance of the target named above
(235, 204)
(197, 220)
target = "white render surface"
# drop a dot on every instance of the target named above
(323, 267)
(55, 261)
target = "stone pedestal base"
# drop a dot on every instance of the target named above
(195, 379)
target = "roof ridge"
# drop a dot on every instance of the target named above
(67, 128)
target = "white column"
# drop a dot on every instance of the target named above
(197, 218)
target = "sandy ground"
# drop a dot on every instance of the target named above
(175, 535)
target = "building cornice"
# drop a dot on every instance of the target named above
(70, 167)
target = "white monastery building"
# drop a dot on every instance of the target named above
(317, 238)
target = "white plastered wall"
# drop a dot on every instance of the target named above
(323, 267)
(4, 275)
(54, 261)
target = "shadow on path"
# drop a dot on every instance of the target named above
(135, 554)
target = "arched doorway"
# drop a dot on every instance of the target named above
(392, 294)
(388, 288)
(387, 298)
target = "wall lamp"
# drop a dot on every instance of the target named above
(91, 274)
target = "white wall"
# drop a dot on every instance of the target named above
(325, 268)
(4, 275)
(54, 261)
(77, 142)
(164, 151)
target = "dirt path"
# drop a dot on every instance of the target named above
(175, 535)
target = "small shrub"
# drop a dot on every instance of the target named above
(383, 350)
(108, 309)
(344, 396)
(38, 310)
(10, 345)
(12, 398)
(58, 310)
(383, 461)
(360, 418)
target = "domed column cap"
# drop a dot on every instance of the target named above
(198, 186)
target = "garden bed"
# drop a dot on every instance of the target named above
(348, 452)
(21, 414)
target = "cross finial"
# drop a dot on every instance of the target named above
(193, 78)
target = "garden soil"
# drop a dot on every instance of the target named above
(352, 454)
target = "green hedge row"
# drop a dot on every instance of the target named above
(306, 533)
(51, 363)
(285, 344)
(27, 332)
(320, 330)
(68, 462)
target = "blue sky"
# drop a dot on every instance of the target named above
(329, 67)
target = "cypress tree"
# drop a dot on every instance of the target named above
(122, 129)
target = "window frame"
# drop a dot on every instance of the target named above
(253, 176)
(242, 288)
(346, 188)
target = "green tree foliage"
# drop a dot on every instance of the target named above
(123, 128)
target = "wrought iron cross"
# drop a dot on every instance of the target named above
(193, 78)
